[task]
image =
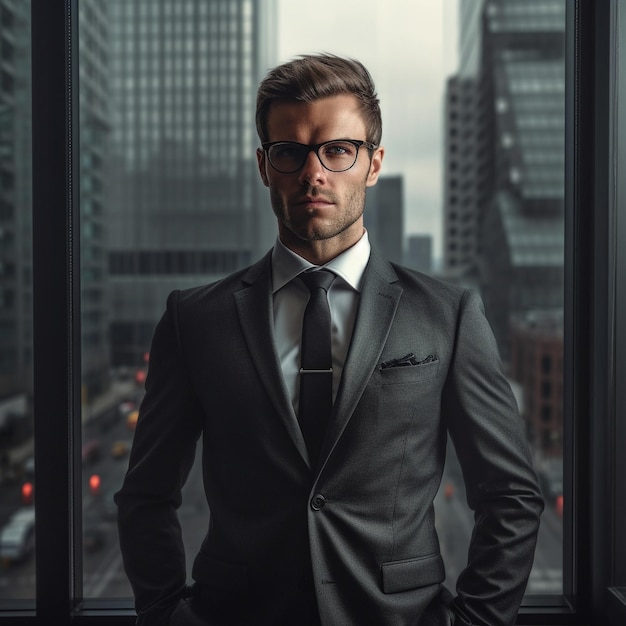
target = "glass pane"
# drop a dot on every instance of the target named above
(472, 192)
(503, 233)
(106, 393)
(17, 538)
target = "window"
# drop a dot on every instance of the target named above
(17, 528)
(67, 373)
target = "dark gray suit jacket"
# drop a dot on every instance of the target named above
(356, 534)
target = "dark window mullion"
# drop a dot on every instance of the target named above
(56, 328)
(617, 190)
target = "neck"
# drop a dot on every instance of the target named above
(320, 251)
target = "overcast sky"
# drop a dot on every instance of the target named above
(409, 46)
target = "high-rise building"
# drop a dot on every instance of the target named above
(462, 171)
(15, 201)
(384, 217)
(419, 253)
(537, 364)
(465, 167)
(95, 131)
(16, 288)
(504, 182)
(186, 205)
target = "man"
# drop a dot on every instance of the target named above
(333, 528)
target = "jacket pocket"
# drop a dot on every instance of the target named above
(412, 573)
(409, 373)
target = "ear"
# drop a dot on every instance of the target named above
(376, 164)
(262, 164)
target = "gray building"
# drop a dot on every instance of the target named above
(504, 183)
(15, 202)
(384, 217)
(419, 253)
(464, 172)
(95, 130)
(186, 204)
(16, 288)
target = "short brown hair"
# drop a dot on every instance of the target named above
(311, 77)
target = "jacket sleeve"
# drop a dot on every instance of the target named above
(501, 485)
(161, 457)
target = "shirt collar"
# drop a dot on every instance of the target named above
(350, 265)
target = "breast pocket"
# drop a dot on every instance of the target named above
(400, 374)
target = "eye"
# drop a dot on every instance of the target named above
(339, 149)
(285, 151)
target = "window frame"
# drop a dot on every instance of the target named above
(595, 328)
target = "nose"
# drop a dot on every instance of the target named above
(312, 172)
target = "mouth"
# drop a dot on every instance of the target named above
(313, 202)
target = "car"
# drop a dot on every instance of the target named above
(131, 420)
(119, 449)
(125, 407)
(17, 539)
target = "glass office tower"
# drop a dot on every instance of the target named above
(184, 190)
(16, 342)
(94, 135)
(504, 180)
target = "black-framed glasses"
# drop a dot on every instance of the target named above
(337, 155)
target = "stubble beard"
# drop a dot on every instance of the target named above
(306, 229)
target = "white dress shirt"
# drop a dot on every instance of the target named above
(291, 296)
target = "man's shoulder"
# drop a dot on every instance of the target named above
(427, 283)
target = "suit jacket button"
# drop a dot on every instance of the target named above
(317, 502)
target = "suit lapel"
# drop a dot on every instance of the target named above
(377, 308)
(254, 307)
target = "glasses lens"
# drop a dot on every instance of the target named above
(287, 157)
(338, 156)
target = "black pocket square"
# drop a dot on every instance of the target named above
(408, 359)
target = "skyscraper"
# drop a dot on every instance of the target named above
(16, 288)
(384, 217)
(419, 253)
(185, 204)
(15, 201)
(505, 157)
(95, 130)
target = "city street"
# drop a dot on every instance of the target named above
(103, 573)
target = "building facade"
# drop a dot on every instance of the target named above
(15, 201)
(419, 253)
(537, 363)
(186, 204)
(94, 155)
(16, 268)
(504, 180)
(384, 217)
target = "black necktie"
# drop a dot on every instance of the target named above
(316, 374)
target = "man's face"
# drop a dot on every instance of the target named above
(314, 206)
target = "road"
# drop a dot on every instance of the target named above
(104, 576)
